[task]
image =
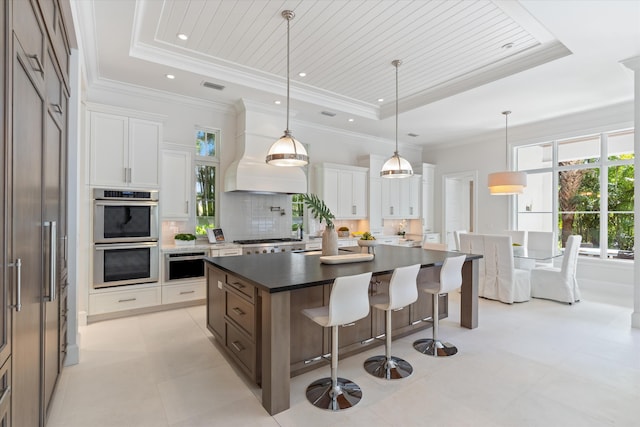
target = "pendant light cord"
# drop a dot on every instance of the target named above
(397, 63)
(506, 139)
(288, 53)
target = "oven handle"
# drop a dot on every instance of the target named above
(184, 258)
(107, 246)
(125, 203)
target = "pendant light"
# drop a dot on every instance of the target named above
(287, 151)
(507, 182)
(396, 166)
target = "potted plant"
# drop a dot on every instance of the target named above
(343, 232)
(367, 241)
(184, 239)
(321, 212)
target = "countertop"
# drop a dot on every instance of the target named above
(287, 271)
(199, 246)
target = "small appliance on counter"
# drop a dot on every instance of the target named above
(215, 235)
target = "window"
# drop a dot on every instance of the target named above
(206, 170)
(581, 186)
(297, 215)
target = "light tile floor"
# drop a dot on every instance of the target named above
(539, 363)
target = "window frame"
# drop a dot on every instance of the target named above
(213, 161)
(603, 164)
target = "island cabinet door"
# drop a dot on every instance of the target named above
(215, 302)
(400, 319)
(307, 337)
(352, 336)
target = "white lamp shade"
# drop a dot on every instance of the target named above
(396, 167)
(287, 151)
(507, 182)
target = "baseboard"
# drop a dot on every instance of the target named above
(635, 319)
(82, 318)
(73, 355)
(137, 311)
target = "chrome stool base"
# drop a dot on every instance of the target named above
(435, 348)
(321, 394)
(392, 369)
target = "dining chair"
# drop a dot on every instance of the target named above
(541, 241)
(518, 237)
(456, 237)
(503, 282)
(559, 284)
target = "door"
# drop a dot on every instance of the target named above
(26, 239)
(459, 202)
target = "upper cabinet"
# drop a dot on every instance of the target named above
(343, 189)
(401, 197)
(176, 188)
(124, 151)
(428, 211)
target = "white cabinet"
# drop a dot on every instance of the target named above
(401, 198)
(387, 240)
(347, 242)
(374, 164)
(128, 298)
(428, 199)
(124, 151)
(176, 188)
(311, 246)
(343, 189)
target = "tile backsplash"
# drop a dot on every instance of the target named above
(257, 216)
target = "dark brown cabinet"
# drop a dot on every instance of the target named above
(35, 264)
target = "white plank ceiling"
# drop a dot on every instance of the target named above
(345, 47)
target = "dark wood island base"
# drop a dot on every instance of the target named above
(254, 306)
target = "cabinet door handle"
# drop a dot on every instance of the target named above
(5, 393)
(237, 311)
(57, 108)
(346, 325)
(186, 207)
(410, 210)
(353, 209)
(129, 180)
(237, 346)
(125, 174)
(391, 210)
(51, 225)
(127, 300)
(39, 68)
(18, 266)
(187, 292)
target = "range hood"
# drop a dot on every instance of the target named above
(250, 173)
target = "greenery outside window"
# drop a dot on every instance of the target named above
(206, 179)
(587, 185)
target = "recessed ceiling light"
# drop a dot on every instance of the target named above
(507, 46)
(351, 120)
(302, 74)
(182, 36)
(277, 102)
(380, 99)
(170, 76)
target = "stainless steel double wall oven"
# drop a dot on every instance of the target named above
(125, 235)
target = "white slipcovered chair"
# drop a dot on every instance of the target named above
(503, 282)
(518, 237)
(559, 284)
(541, 241)
(474, 244)
(456, 237)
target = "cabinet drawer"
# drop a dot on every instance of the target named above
(240, 311)
(242, 348)
(241, 286)
(313, 246)
(126, 300)
(230, 252)
(181, 293)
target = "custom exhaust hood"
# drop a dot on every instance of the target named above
(250, 173)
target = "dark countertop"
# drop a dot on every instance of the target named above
(286, 271)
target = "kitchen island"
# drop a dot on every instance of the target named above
(254, 304)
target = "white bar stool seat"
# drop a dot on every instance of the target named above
(348, 302)
(403, 290)
(450, 279)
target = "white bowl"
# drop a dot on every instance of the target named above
(367, 243)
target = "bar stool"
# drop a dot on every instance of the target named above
(348, 302)
(450, 279)
(403, 290)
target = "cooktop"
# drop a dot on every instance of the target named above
(261, 241)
